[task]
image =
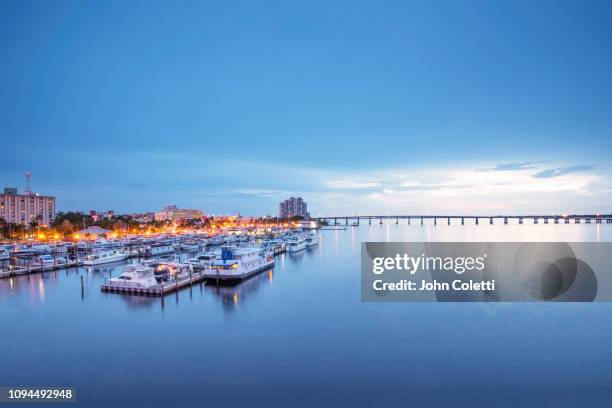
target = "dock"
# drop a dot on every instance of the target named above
(25, 270)
(157, 290)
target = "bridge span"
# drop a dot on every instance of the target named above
(355, 220)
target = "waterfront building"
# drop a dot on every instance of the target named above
(293, 207)
(25, 208)
(173, 213)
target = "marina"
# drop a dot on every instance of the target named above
(283, 311)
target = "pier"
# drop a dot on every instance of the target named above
(157, 290)
(14, 270)
(356, 220)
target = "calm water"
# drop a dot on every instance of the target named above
(300, 334)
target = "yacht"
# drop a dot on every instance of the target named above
(4, 254)
(168, 271)
(296, 244)
(102, 257)
(312, 239)
(47, 261)
(59, 248)
(135, 276)
(202, 261)
(160, 249)
(32, 249)
(239, 263)
(218, 240)
(188, 246)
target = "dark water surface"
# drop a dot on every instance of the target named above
(300, 335)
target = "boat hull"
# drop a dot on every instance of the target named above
(239, 276)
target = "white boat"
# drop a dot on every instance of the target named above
(33, 249)
(202, 261)
(312, 239)
(149, 274)
(4, 254)
(188, 246)
(160, 249)
(239, 263)
(102, 257)
(296, 244)
(59, 248)
(47, 261)
(135, 276)
(168, 272)
(218, 240)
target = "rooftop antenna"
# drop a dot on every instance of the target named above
(28, 175)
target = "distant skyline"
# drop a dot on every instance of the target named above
(364, 107)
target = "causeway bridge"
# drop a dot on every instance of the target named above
(355, 220)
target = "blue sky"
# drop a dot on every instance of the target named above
(386, 107)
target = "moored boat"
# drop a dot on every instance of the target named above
(239, 263)
(102, 257)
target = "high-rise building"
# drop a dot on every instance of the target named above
(293, 207)
(25, 208)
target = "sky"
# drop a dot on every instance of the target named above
(360, 107)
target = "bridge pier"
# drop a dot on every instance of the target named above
(598, 221)
(576, 220)
(462, 221)
(476, 220)
(408, 220)
(369, 220)
(556, 220)
(448, 220)
(567, 220)
(491, 220)
(588, 220)
(380, 221)
(421, 220)
(545, 220)
(520, 220)
(397, 221)
(506, 220)
(346, 222)
(535, 221)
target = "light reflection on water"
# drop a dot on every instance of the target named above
(301, 331)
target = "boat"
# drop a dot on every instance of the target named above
(312, 239)
(32, 249)
(239, 263)
(59, 248)
(168, 272)
(160, 249)
(187, 246)
(102, 257)
(5, 255)
(47, 261)
(202, 261)
(296, 244)
(135, 276)
(218, 240)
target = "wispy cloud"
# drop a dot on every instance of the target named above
(352, 184)
(516, 166)
(564, 170)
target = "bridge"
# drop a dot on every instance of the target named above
(355, 220)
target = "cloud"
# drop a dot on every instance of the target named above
(516, 166)
(561, 171)
(352, 184)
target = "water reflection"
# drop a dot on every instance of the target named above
(234, 294)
